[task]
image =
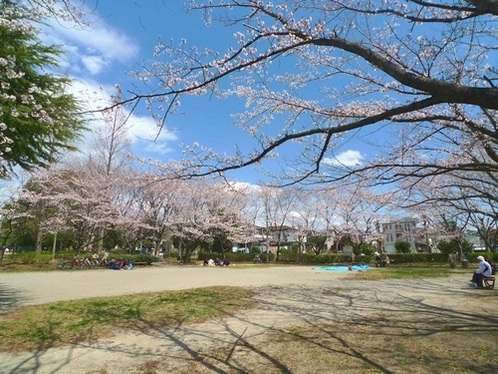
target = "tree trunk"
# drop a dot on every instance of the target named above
(54, 246)
(100, 241)
(39, 238)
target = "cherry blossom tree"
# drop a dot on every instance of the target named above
(39, 208)
(70, 11)
(189, 230)
(306, 218)
(349, 214)
(208, 213)
(419, 71)
(155, 209)
(225, 205)
(79, 197)
(110, 157)
(457, 201)
(278, 207)
(250, 212)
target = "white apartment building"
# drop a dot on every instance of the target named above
(402, 230)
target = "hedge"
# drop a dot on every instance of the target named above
(31, 258)
(311, 258)
(286, 257)
(335, 258)
(395, 258)
(236, 257)
(28, 258)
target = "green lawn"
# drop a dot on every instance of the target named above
(50, 325)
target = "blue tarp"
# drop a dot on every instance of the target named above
(343, 268)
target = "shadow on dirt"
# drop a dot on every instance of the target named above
(385, 326)
(9, 299)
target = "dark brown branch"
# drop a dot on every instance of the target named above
(443, 91)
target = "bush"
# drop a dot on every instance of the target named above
(454, 245)
(287, 256)
(311, 258)
(267, 257)
(364, 248)
(149, 259)
(489, 256)
(405, 258)
(237, 257)
(230, 255)
(66, 255)
(402, 247)
(29, 258)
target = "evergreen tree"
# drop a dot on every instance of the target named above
(38, 118)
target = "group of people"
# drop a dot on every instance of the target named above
(485, 270)
(216, 262)
(103, 260)
(120, 264)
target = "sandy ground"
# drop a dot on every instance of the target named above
(18, 289)
(288, 297)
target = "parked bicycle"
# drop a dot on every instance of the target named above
(72, 264)
(64, 264)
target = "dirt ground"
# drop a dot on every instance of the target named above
(307, 321)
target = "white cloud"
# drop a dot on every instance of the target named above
(346, 158)
(94, 64)
(94, 53)
(158, 148)
(94, 48)
(100, 39)
(245, 186)
(142, 129)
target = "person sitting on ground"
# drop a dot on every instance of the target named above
(377, 258)
(105, 258)
(95, 259)
(384, 260)
(453, 258)
(483, 271)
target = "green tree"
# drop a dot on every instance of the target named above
(402, 247)
(364, 248)
(38, 117)
(458, 245)
(318, 243)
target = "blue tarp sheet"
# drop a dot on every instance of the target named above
(343, 268)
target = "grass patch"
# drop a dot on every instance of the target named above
(61, 323)
(13, 267)
(394, 272)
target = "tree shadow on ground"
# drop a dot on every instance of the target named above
(9, 299)
(345, 327)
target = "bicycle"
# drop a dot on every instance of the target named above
(64, 264)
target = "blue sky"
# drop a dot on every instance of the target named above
(119, 38)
